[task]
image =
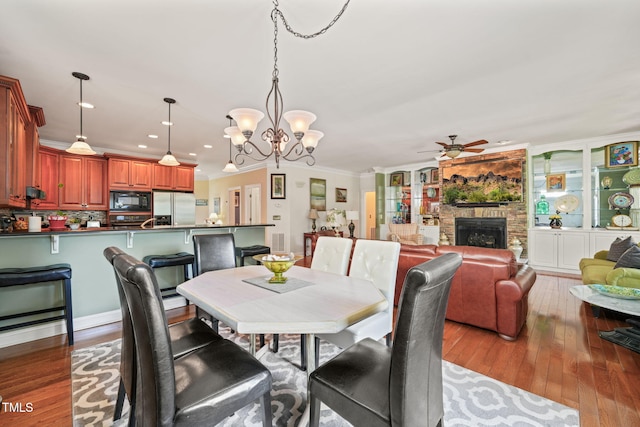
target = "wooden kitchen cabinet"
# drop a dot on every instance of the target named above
(129, 174)
(83, 183)
(14, 117)
(176, 178)
(48, 179)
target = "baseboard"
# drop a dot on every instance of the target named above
(46, 330)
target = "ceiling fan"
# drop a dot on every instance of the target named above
(453, 150)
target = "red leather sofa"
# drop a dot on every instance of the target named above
(489, 290)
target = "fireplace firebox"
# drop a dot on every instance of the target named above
(483, 232)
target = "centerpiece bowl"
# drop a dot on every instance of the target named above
(277, 264)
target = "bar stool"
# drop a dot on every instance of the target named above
(183, 259)
(247, 251)
(45, 273)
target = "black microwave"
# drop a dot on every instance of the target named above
(130, 201)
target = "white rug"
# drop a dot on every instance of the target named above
(470, 399)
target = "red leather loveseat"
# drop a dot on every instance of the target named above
(489, 290)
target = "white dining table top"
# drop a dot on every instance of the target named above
(331, 304)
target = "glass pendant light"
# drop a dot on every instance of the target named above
(230, 167)
(169, 159)
(80, 146)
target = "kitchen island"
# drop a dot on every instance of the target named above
(94, 293)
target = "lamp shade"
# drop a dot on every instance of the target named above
(234, 132)
(80, 147)
(351, 215)
(299, 120)
(313, 214)
(230, 167)
(453, 153)
(311, 138)
(246, 118)
(169, 160)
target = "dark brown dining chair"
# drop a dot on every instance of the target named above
(370, 384)
(186, 336)
(200, 388)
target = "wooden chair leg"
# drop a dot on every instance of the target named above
(317, 347)
(388, 337)
(303, 352)
(117, 412)
(276, 342)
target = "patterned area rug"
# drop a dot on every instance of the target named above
(470, 399)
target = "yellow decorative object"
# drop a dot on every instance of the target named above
(277, 264)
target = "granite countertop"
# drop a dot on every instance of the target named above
(122, 229)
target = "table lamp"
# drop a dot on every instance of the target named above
(313, 215)
(351, 215)
(214, 218)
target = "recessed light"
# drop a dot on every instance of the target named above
(226, 136)
(504, 142)
(166, 123)
(197, 170)
(142, 146)
(85, 105)
(192, 154)
(208, 146)
(153, 136)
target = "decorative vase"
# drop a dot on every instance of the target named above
(444, 240)
(542, 206)
(556, 223)
(516, 247)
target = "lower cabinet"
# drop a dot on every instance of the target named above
(558, 250)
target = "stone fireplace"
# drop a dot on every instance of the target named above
(512, 214)
(483, 232)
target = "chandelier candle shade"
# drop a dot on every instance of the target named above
(80, 146)
(169, 159)
(277, 139)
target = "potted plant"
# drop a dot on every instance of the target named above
(57, 221)
(74, 223)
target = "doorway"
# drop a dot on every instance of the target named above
(370, 214)
(234, 206)
(253, 213)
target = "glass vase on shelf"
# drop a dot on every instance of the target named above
(542, 206)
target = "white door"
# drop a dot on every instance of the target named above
(253, 202)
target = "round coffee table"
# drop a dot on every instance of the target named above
(626, 337)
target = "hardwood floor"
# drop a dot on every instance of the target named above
(558, 355)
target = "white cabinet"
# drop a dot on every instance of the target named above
(602, 239)
(558, 250)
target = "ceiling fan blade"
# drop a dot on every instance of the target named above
(473, 150)
(479, 142)
(429, 151)
(444, 144)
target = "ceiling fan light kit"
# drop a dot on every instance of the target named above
(453, 150)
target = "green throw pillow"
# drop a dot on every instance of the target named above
(618, 247)
(629, 259)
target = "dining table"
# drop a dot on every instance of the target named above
(310, 302)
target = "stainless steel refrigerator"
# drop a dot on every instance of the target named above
(180, 207)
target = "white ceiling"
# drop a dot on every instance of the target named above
(389, 79)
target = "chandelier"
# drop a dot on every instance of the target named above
(277, 139)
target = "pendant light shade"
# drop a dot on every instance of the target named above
(169, 159)
(80, 146)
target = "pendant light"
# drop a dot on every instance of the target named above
(168, 159)
(80, 146)
(230, 167)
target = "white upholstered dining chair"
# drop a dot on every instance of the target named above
(375, 260)
(332, 254)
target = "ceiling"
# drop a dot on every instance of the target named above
(388, 80)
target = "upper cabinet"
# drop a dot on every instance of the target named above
(130, 173)
(48, 179)
(175, 178)
(83, 183)
(14, 121)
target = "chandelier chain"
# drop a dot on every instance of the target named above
(278, 12)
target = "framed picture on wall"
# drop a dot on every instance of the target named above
(396, 179)
(556, 182)
(278, 186)
(341, 195)
(435, 176)
(318, 194)
(216, 205)
(621, 154)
